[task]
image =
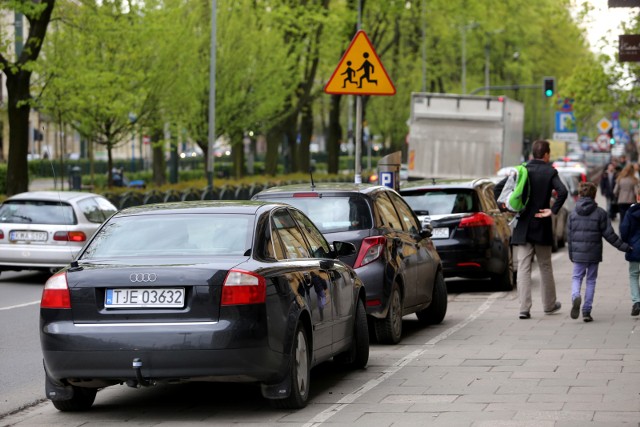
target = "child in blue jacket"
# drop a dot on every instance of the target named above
(588, 224)
(630, 233)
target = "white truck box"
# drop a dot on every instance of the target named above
(463, 136)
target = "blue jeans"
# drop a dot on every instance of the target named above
(580, 269)
(634, 275)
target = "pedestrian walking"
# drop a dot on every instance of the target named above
(533, 233)
(607, 184)
(588, 224)
(624, 189)
(630, 233)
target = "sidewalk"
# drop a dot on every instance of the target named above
(44, 184)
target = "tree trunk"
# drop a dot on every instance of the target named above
(18, 168)
(334, 133)
(159, 163)
(306, 131)
(274, 138)
(237, 156)
(109, 165)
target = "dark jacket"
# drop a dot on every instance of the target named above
(587, 225)
(630, 232)
(607, 185)
(543, 179)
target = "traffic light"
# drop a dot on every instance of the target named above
(612, 140)
(549, 86)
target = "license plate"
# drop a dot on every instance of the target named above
(440, 233)
(27, 236)
(145, 298)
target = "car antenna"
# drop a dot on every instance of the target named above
(313, 186)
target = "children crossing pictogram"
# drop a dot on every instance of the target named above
(370, 76)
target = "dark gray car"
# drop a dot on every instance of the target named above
(395, 257)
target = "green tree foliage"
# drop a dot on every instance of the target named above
(115, 57)
(97, 66)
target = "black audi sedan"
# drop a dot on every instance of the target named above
(471, 235)
(202, 291)
(395, 257)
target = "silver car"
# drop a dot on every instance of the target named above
(44, 230)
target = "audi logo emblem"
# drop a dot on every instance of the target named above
(143, 277)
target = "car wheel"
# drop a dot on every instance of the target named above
(389, 329)
(436, 311)
(358, 355)
(82, 400)
(298, 374)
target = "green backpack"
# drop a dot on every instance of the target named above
(515, 193)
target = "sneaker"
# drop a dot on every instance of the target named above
(554, 309)
(525, 315)
(586, 316)
(636, 309)
(575, 307)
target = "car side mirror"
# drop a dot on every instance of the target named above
(427, 230)
(343, 249)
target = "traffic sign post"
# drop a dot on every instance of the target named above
(604, 125)
(360, 72)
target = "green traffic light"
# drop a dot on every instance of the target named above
(548, 93)
(612, 141)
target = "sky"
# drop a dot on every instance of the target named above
(603, 21)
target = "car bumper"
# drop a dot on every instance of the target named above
(36, 257)
(373, 276)
(469, 262)
(206, 351)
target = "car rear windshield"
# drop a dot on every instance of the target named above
(37, 212)
(333, 213)
(170, 235)
(442, 201)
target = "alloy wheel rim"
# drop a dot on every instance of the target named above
(302, 362)
(396, 315)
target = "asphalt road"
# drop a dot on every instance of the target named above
(21, 381)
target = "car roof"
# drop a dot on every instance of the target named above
(324, 188)
(52, 196)
(238, 207)
(444, 183)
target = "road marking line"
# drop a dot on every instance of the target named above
(20, 305)
(351, 397)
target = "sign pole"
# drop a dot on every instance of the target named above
(358, 165)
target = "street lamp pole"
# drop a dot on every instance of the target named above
(464, 29)
(487, 58)
(424, 45)
(212, 97)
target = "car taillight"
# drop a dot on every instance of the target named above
(56, 292)
(69, 236)
(370, 250)
(243, 287)
(479, 219)
(1, 234)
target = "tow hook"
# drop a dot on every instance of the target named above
(139, 381)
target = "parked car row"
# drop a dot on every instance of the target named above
(251, 291)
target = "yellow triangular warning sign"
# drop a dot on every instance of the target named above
(360, 71)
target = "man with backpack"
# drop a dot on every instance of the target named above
(533, 233)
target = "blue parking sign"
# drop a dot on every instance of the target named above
(565, 121)
(386, 179)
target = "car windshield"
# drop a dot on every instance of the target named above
(332, 214)
(441, 202)
(169, 235)
(37, 212)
